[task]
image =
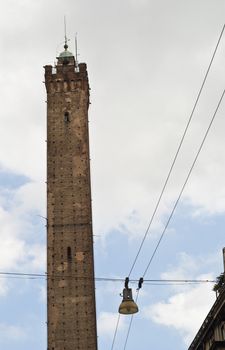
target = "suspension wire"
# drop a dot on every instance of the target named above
(23, 274)
(183, 281)
(130, 324)
(185, 182)
(177, 201)
(115, 333)
(172, 283)
(99, 279)
(171, 168)
(177, 152)
(180, 194)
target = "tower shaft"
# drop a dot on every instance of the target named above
(70, 267)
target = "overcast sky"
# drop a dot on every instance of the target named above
(146, 62)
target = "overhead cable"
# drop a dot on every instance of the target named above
(177, 152)
(116, 330)
(177, 201)
(185, 183)
(175, 158)
(130, 323)
(101, 279)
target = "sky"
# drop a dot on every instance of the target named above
(146, 62)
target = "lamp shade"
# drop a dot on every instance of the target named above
(128, 305)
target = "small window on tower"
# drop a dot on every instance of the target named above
(66, 117)
(69, 254)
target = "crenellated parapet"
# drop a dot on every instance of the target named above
(66, 77)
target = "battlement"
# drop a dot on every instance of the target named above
(64, 78)
(79, 70)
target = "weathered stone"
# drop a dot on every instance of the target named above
(71, 292)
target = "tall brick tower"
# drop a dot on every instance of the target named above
(71, 290)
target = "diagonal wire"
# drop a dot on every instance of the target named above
(115, 333)
(172, 165)
(177, 152)
(185, 182)
(130, 324)
(180, 194)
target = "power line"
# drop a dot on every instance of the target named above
(180, 194)
(130, 324)
(116, 330)
(168, 282)
(185, 183)
(171, 168)
(177, 152)
(23, 275)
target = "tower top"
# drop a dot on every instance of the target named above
(65, 53)
(66, 57)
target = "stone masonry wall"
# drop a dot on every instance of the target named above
(71, 291)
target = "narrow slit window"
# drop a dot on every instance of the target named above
(69, 253)
(66, 117)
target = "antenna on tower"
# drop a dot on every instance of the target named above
(76, 53)
(76, 47)
(66, 40)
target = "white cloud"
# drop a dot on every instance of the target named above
(184, 311)
(20, 250)
(188, 305)
(31, 197)
(43, 294)
(4, 287)
(187, 267)
(145, 73)
(36, 255)
(136, 124)
(107, 323)
(14, 333)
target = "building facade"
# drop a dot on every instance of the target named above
(211, 335)
(70, 266)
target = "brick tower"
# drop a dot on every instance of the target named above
(71, 290)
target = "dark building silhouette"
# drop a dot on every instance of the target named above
(71, 290)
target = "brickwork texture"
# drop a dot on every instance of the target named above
(70, 267)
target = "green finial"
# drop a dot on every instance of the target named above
(65, 53)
